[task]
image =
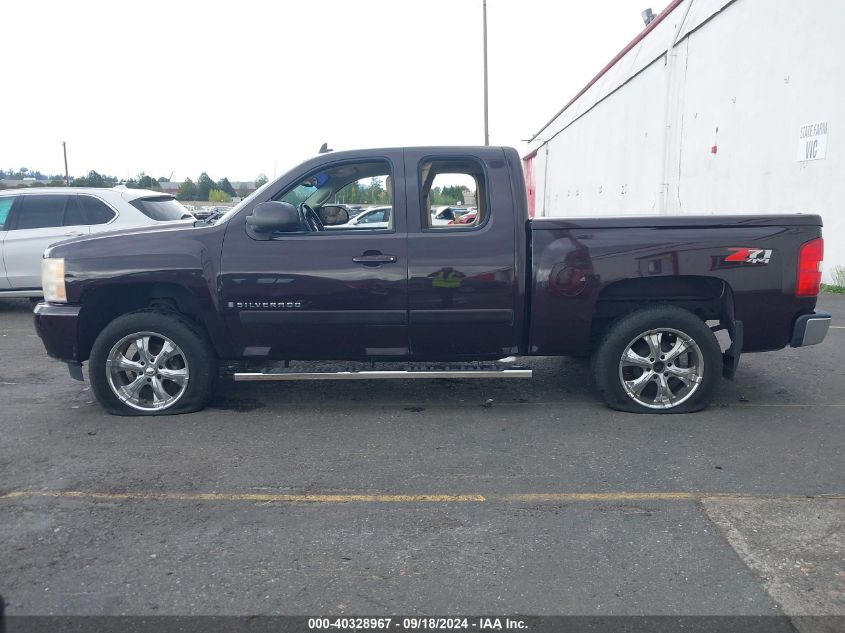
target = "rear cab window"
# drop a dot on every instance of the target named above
(161, 208)
(453, 194)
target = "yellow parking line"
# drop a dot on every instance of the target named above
(539, 497)
(263, 497)
(786, 404)
(546, 403)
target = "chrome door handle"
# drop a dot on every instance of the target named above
(374, 259)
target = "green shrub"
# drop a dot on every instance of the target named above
(216, 195)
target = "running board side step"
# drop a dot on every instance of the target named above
(383, 374)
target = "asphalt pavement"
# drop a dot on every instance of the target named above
(427, 497)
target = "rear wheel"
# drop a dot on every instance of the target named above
(658, 360)
(152, 363)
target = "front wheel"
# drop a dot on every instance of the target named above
(658, 360)
(152, 363)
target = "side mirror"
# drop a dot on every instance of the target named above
(333, 214)
(273, 217)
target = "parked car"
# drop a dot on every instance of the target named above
(153, 312)
(32, 220)
(375, 218)
(447, 215)
(355, 210)
(467, 218)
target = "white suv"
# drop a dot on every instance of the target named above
(33, 219)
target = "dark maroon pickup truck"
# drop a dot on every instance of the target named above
(440, 273)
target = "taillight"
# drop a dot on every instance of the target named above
(810, 259)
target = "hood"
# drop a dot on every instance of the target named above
(152, 231)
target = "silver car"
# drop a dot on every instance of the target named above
(33, 219)
(375, 218)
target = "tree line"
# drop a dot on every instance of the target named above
(374, 193)
(206, 189)
(203, 189)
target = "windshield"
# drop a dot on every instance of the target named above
(161, 208)
(231, 212)
(303, 190)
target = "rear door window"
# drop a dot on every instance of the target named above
(74, 215)
(40, 212)
(94, 211)
(5, 206)
(161, 208)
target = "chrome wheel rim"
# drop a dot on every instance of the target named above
(661, 368)
(147, 371)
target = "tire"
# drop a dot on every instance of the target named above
(680, 378)
(174, 364)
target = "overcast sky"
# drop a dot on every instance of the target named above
(243, 87)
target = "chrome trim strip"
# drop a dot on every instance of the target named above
(380, 375)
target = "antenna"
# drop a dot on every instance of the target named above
(324, 149)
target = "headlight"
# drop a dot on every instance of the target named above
(53, 280)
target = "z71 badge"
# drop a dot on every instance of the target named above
(749, 255)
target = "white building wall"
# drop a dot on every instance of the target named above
(743, 76)
(607, 162)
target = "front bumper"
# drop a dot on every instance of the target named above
(810, 329)
(57, 327)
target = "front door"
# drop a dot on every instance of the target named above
(337, 292)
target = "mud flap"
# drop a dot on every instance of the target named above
(75, 371)
(730, 359)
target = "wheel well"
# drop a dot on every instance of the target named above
(709, 298)
(102, 305)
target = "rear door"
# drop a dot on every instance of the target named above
(36, 222)
(462, 278)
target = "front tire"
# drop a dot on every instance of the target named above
(152, 363)
(661, 359)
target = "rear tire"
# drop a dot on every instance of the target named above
(661, 359)
(152, 362)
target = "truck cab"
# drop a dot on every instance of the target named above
(409, 290)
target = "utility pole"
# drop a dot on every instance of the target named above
(486, 128)
(64, 149)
